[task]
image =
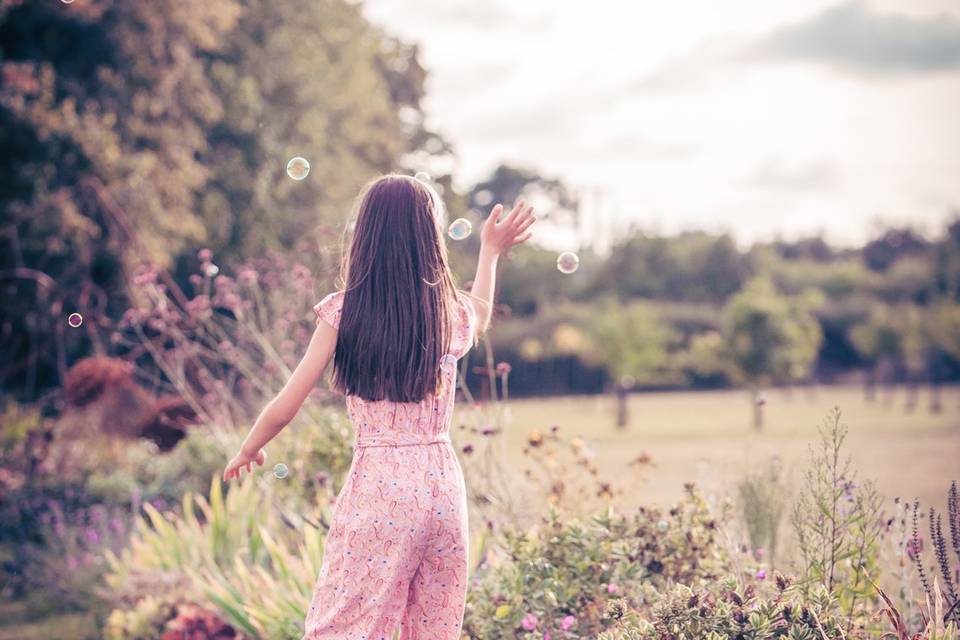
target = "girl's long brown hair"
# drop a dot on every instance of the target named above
(399, 294)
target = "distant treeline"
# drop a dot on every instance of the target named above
(695, 311)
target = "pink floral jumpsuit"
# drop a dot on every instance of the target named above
(396, 552)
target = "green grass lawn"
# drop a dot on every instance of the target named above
(706, 437)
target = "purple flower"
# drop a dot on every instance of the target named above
(612, 588)
(529, 622)
(567, 622)
(761, 574)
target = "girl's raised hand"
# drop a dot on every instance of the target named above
(243, 461)
(502, 231)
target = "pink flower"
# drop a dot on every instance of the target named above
(247, 277)
(204, 255)
(612, 588)
(529, 622)
(546, 635)
(567, 622)
(503, 368)
(761, 574)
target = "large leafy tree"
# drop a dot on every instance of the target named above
(104, 109)
(308, 78)
(135, 131)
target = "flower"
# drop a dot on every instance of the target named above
(247, 277)
(567, 622)
(467, 448)
(503, 368)
(529, 622)
(761, 574)
(204, 255)
(535, 438)
(612, 588)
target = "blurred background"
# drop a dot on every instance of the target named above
(762, 200)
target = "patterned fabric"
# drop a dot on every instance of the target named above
(396, 553)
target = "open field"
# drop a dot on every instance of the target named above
(707, 437)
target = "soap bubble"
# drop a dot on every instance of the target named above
(67, 1)
(75, 320)
(280, 470)
(298, 168)
(423, 176)
(568, 262)
(663, 525)
(211, 270)
(448, 361)
(460, 229)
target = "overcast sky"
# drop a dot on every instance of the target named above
(759, 117)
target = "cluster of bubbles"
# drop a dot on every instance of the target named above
(298, 168)
(568, 262)
(74, 319)
(280, 470)
(460, 229)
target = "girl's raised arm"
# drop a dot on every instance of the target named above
(282, 409)
(499, 233)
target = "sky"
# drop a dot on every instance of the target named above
(762, 118)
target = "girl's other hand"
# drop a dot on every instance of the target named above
(500, 232)
(243, 461)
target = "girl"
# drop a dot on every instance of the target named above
(396, 552)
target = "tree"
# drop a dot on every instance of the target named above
(632, 341)
(770, 339)
(878, 341)
(308, 78)
(104, 109)
(135, 131)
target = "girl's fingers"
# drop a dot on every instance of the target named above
(521, 238)
(525, 224)
(495, 213)
(517, 208)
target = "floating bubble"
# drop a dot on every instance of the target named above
(423, 176)
(211, 270)
(280, 470)
(67, 1)
(74, 319)
(568, 262)
(460, 229)
(448, 361)
(298, 168)
(662, 525)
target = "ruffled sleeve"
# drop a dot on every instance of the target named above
(464, 326)
(328, 309)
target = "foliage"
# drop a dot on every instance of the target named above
(771, 338)
(940, 546)
(837, 522)
(763, 501)
(633, 341)
(725, 612)
(571, 568)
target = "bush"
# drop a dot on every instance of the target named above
(563, 569)
(725, 612)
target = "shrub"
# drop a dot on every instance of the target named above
(564, 569)
(723, 612)
(838, 524)
(762, 505)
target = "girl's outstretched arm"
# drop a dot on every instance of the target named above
(500, 232)
(281, 410)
